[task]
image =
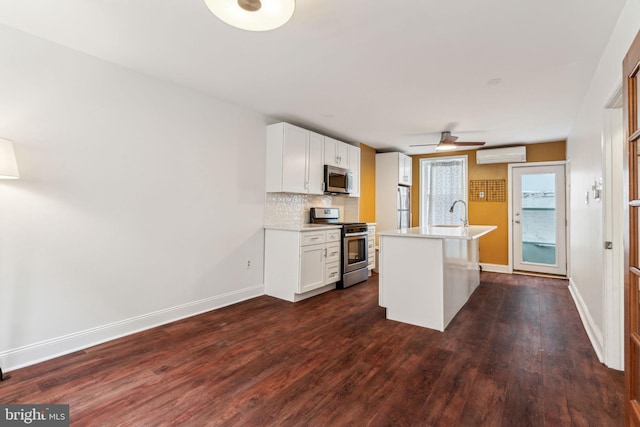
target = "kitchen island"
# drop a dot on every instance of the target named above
(428, 273)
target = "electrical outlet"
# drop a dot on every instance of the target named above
(248, 264)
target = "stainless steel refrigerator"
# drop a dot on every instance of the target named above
(404, 207)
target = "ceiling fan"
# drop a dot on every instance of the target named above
(448, 142)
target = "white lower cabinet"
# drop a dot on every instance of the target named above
(312, 267)
(301, 264)
(371, 250)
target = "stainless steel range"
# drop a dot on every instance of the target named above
(354, 245)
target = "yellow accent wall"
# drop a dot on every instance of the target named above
(367, 202)
(494, 247)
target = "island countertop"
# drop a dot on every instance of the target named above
(442, 232)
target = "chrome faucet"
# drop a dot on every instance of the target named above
(465, 220)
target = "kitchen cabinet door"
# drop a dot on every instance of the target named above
(332, 273)
(312, 267)
(354, 165)
(315, 164)
(294, 166)
(295, 160)
(287, 158)
(404, 169)
(336, 153)
(371, 248)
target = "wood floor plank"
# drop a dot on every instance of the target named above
(516, 354)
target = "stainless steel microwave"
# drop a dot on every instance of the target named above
(337, 180)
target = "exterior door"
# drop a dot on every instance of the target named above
(631, 93)
(539, 219)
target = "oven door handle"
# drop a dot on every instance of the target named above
(364, 233)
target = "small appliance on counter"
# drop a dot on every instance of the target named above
(354, 245)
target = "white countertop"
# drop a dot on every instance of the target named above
(305, 227)
(443, 232)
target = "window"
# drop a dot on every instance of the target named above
(443, 180)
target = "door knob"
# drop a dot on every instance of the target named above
(517, 221)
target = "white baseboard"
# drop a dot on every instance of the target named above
(38, 352)
(593, 332)
(495, 268)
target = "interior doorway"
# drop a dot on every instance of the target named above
(539, 218)
(612, 228)
(631, 118)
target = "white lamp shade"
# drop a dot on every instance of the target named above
(272, 14)
(8, 165)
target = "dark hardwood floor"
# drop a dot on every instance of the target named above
(515, 355)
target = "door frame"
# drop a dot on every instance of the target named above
(512, 166)
(631, 103)
(612, 229)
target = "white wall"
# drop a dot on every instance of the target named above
(585, 155)
(139, 201)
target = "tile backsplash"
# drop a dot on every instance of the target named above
(292, 210)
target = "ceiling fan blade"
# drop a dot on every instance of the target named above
(469, 143)
(421, 145)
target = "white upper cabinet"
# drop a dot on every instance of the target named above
(315, 167)
(294, 160)
(394, 168)
(354, 165)
(404, 169)
(336, 153)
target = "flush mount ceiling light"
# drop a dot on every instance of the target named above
(253, 15)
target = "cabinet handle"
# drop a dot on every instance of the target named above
(325, 252)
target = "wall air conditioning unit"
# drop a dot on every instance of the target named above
(502, 155)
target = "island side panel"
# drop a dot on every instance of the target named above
(411, 280)
(461, 274)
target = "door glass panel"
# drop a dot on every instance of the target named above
(637, 100)
(539, 218)
(635, 212)
(634, 280)
(636, 388)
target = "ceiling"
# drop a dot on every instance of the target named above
(385, 73)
